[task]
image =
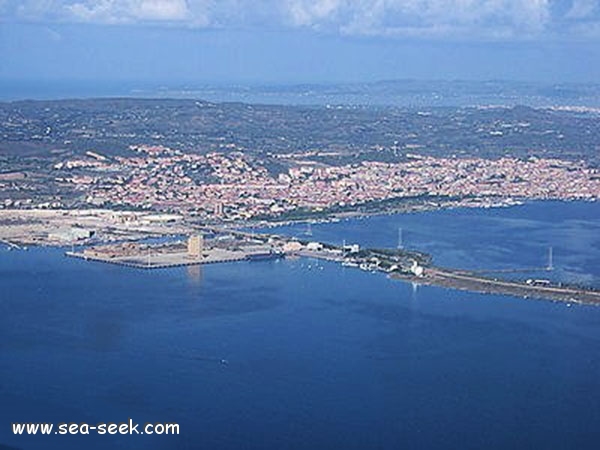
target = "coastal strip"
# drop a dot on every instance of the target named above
(468, 281)
(233, 245)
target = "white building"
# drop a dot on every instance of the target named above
(416, 269)
(314, 246)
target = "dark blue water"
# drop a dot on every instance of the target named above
(318, 356)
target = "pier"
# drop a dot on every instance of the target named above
(11, 245)
(177, 261)
(397, 263)
(475, 283)
(172, 255)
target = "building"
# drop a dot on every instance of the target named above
(161, 218)
(292, 246)
(314, 246)
(352, 248)
(195, 246)
(416, 269)
(71, 234)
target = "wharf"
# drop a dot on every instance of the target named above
(328, 256)
(11, 245)
(404, 265)
(166, 260)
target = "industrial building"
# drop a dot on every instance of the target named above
(195, 246)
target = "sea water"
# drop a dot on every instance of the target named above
(306, 354)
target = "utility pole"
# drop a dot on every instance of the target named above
(308, 231)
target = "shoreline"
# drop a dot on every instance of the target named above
(452, 278)
(336, 217)
(185, 225)
(417, 208)
(468, 282)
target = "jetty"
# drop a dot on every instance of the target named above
(155, 262)
(413, 266)
(468, 281)
(11, 245)
(171, 255)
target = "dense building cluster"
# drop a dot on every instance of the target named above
(230, 185)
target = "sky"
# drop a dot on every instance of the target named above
(299, 41)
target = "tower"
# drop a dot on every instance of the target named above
(195, 246)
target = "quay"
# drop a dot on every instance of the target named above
(154, 263)
(172, 260)
(327, 256)
(177, 254)
(397, 263)
(11, 245)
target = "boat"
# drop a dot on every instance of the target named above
(350, 264)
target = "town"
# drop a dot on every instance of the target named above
(233, 186)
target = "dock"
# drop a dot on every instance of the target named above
(400, 264)
(176, 259)
(11, 245)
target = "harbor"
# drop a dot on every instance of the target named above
(228, 246)
(195, 251)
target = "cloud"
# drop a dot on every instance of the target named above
(581, 9)
(114, 11)
(305, 13)
(496, 19)
(101, 11)
(426, 17)
(162, 10)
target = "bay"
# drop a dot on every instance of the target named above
(305, 354)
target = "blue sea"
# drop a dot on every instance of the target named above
(305, 354)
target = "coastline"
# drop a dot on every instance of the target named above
(468, 282)
(453, 278)
(410, 209)
(336, 217)
(115, 229)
